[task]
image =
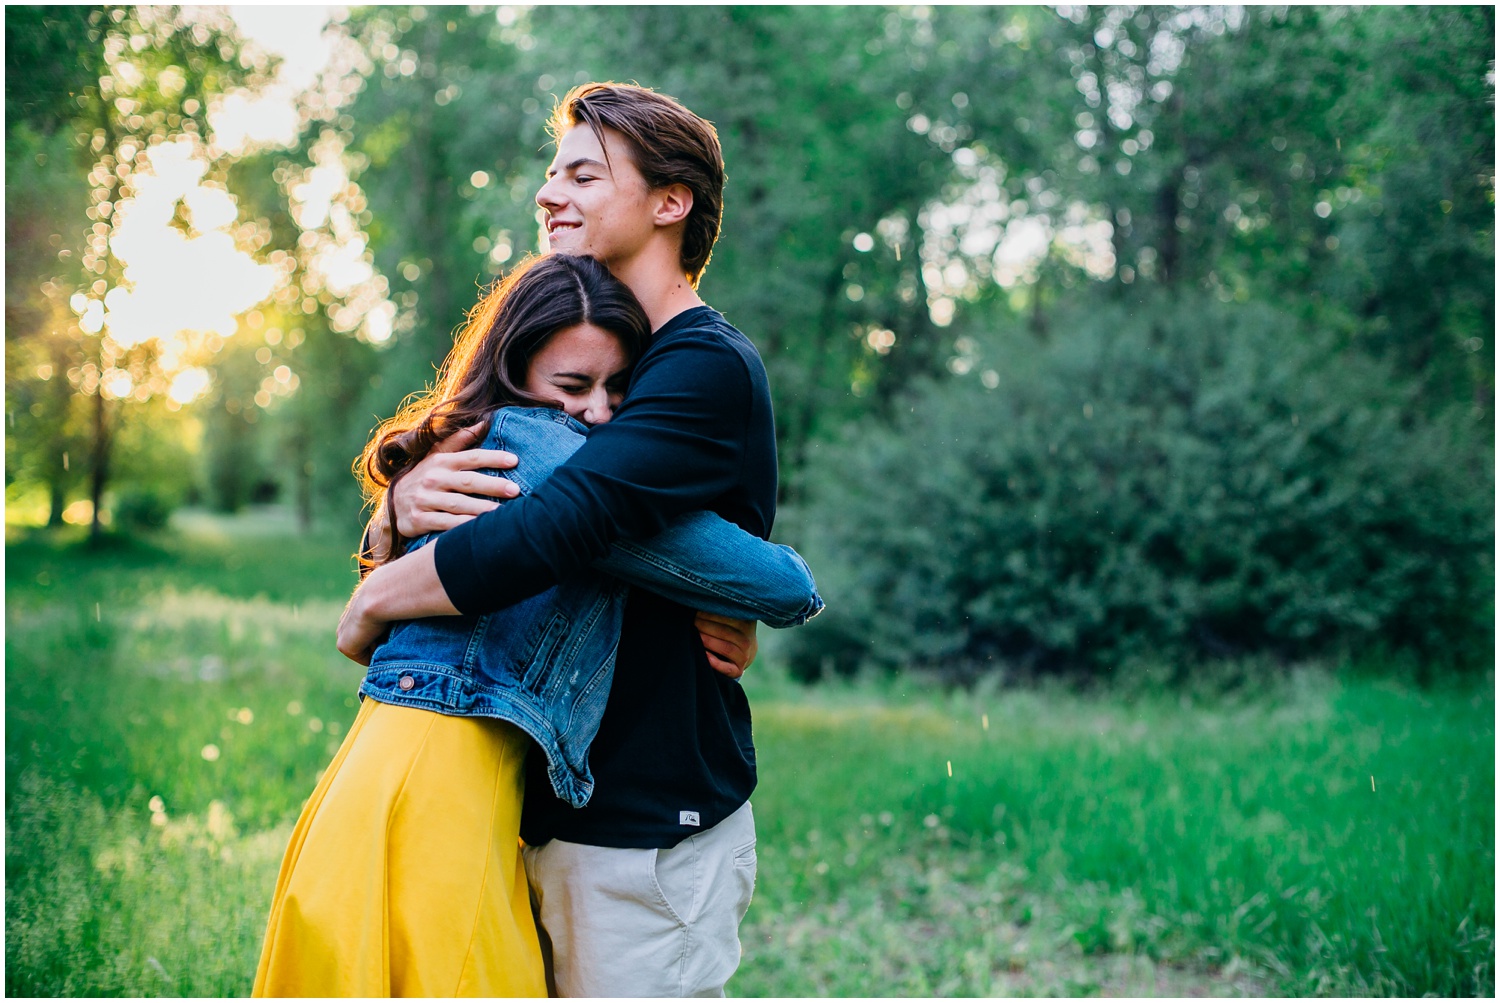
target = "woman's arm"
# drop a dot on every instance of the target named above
(404, 589)
(708, 563)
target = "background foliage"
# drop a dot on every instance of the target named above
(1197, 302)
(1149, 483)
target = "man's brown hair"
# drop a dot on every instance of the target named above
(668, 144)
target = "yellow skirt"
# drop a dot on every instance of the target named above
(404, 876)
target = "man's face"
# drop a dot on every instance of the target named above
(596, 206)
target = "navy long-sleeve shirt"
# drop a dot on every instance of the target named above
(674, 753)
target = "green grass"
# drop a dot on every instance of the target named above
(1239, 841)
(1113, 843)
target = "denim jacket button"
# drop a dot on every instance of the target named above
(407, 682)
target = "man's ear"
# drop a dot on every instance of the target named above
(673, 204)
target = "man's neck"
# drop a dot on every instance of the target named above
(662, 288)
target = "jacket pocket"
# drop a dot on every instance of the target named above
(542, 649)
(475, 648)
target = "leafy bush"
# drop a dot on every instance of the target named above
(1210, 481)
(143, 508)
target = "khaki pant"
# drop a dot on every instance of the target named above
(633, 923)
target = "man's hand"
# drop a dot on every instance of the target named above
(437, 493)
(729, 643)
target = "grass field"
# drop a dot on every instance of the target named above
(169, 707)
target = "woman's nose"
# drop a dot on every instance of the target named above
(600, 407)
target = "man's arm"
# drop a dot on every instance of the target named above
(729, 643)
(676, 445)
(438, 493)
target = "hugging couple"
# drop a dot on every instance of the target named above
(546, 788)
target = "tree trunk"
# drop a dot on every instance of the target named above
(1037, 322)
(60, 396)
(99, 467)
(1169, 197)
(1167, 203)
(1107, 149)
(919, 342)
(58, 501)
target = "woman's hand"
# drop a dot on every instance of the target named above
(437, 493)
(729, 643)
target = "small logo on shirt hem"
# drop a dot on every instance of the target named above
(688, 818)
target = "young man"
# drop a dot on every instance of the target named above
(641, 892)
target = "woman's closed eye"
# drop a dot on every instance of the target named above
(576, 368)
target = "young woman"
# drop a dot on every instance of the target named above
(403, 876)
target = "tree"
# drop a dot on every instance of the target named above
(135, 78)
(50, 61)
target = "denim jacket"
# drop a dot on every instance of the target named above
(545, 664)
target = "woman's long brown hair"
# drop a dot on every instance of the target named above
(488, 364)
